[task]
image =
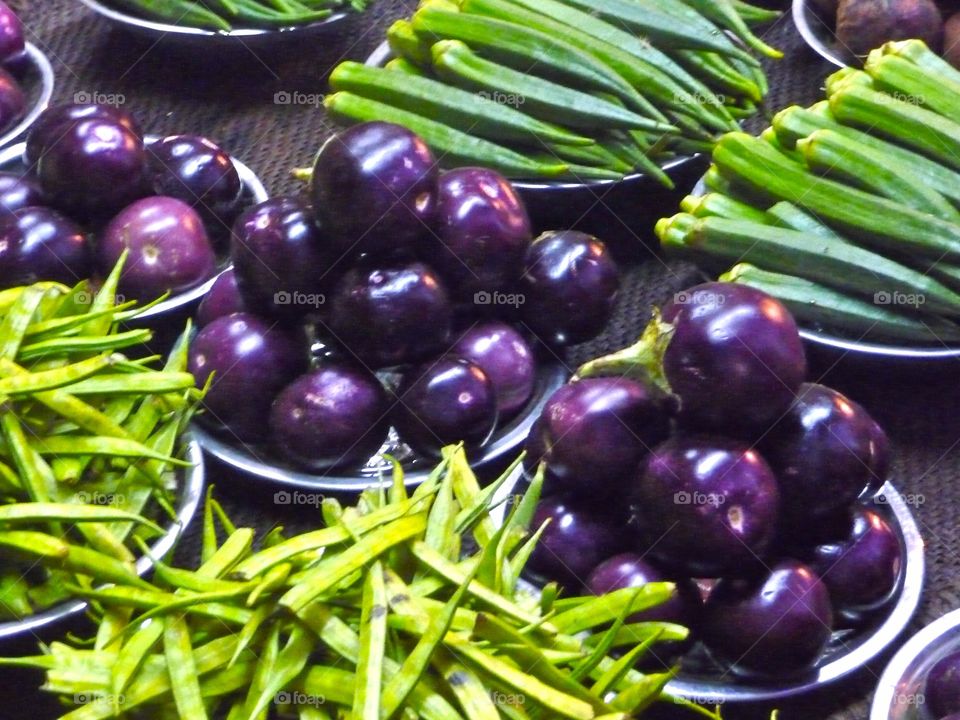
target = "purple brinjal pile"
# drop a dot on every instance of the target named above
(394, 295)
(14, 62)
(94, 188)
(700, 455)
(941, 689)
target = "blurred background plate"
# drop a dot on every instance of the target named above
(35, 76)
(819, 35)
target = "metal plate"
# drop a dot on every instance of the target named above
(190, 495)
(255, 192)
(258, 462)
(848, 651)
(818, 34)
(900, 692)
(250, 38)
(37, 84)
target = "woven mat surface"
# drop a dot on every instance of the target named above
(231, 98)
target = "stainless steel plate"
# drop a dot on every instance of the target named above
(11, 161)
(820, 36)
(189, 497)
(849, 650)
(37, 84)
(250, 38)
(257, 461)
(900, 691)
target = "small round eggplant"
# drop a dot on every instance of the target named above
(19, 191)
(223, 299)
(12, 100)
(52, 124)
(942, 689)
(628, 570)
(507, 359)
(37, 243)
(11, 33)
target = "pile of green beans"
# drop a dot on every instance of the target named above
(383, 613)
(226, 15)
(582, 89)
(87, 439)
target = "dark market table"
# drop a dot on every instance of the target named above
(238, 101)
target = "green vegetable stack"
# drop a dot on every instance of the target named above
(383, 613)
(563, 88)
(87, 439)
(848, 211)
(225, 15)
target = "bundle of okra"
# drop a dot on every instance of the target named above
(564, 88)
(225, 15)
(87, 439)
(382, 613)
(848, 211)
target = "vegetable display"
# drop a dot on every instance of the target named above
(847, 211)
(88, 458)
(425, 290)
(382, 613)
(700, 455)
(93, 189)
(13, 100)
(226, 15)
(563, 88)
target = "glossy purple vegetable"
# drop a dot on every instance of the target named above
(572, 545)
(777, 625)
(19, 191)
(391, 315)
(12, 100)
(94, 165)
(735, 360)
(507, 359)
(597, 431)
(253, 360)
(199, 172)
(448, 400)
(706, 506)
(169, 248)
(630, 570)
(38, 243)
(861, 569)
(483, 232)
(374, 187)
(569, 287)
(942, 689)
(223, 299)
(51, 126)
(335, 415)
(821, 450)
(282, 258)
(879, 459)
(11, 33)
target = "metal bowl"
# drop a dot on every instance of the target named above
(621, 212)
(900, 692)
(11, 160)
(702, 681)
(190, 495)
(249, 38)
(37, 84)
(820, 36)
(258, 461)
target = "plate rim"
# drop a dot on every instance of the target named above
(803, 19)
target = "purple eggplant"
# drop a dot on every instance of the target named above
(596, 432)
(374, 188)
(735, 360)
(391, 315)
(443, 402)
(13, 102)
(942, 689)
(483, 232)
(223, 299)
(51, 126)
(706, 506)
(776, 625)
(879, 459)
(507, 359)
(335, 415)
(630, 570)
(11, 33)
(37, 243)
(822, 450)
(19, 191)
(252, 360)
(282, 258)
(569, 287)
